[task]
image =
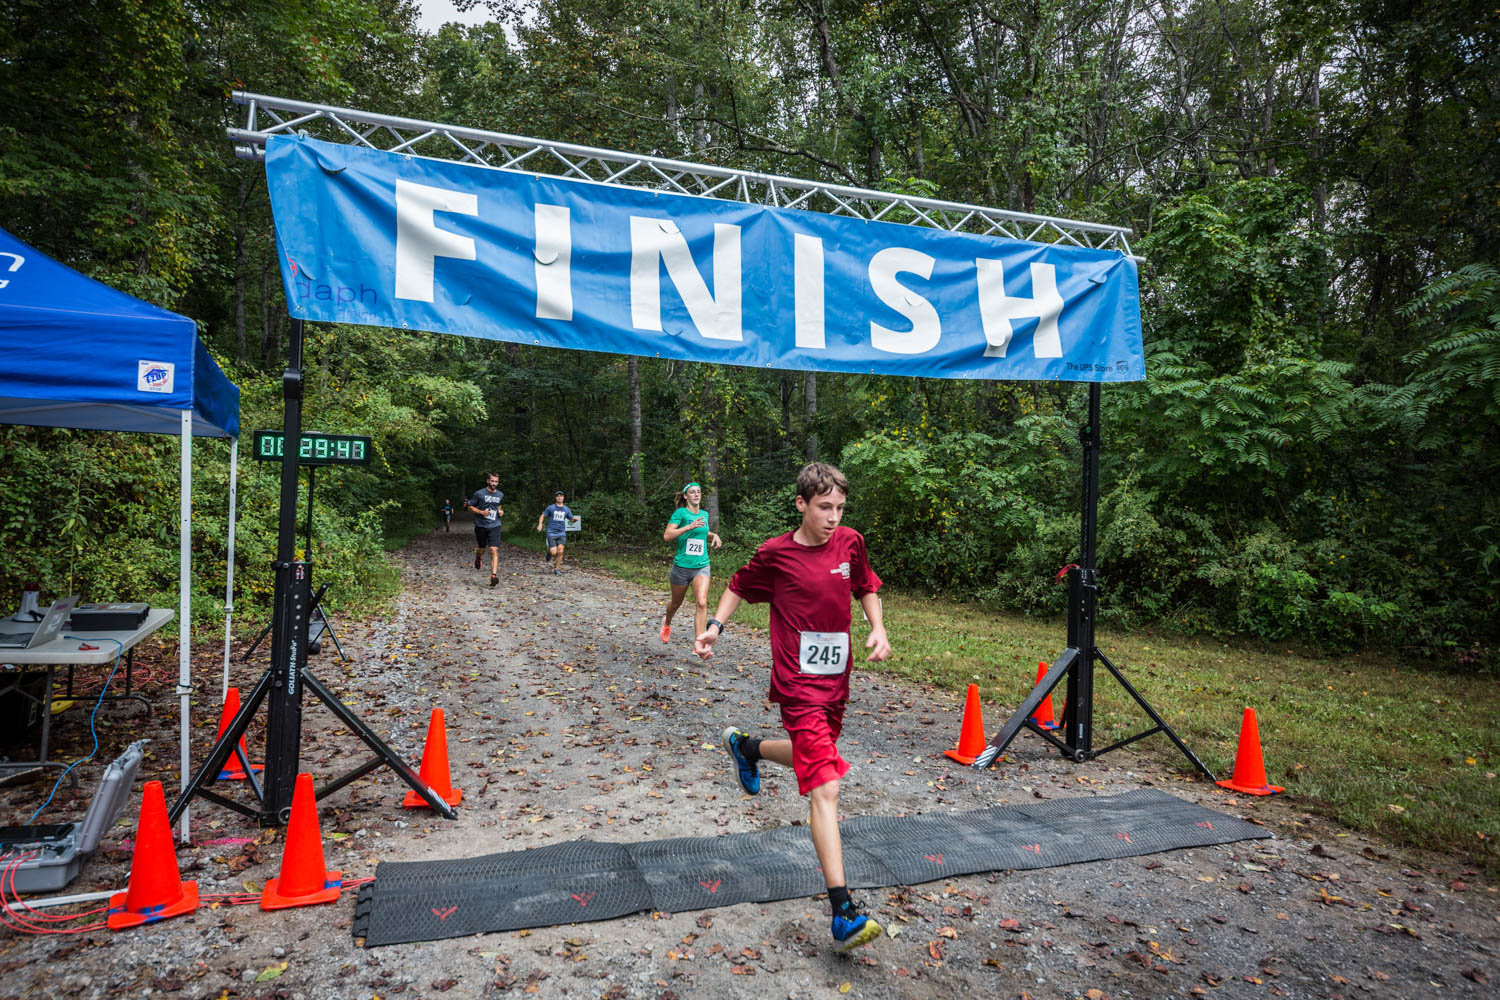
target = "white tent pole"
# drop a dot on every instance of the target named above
(184, 601)
(234, 464)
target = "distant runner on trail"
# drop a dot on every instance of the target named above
(688, 527)
(555, 520)
(485, 506)
(447, 509)
(808, 576)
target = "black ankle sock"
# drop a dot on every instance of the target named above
(838, 897)
(750, 748)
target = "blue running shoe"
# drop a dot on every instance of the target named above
(852, 929)
(749, 773)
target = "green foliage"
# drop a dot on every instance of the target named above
(1311, 458)
(948, 513)
(614, 517)
(1458, 370)
(760, 516)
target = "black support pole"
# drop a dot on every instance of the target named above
(1083, 591)
(282, 684)
(1075, 664)
(289, 624)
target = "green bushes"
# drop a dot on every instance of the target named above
(95, 513)
(955, 513)
(614, 517)
(993, 519)
(759, 516)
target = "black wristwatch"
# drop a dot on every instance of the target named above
(715, 621)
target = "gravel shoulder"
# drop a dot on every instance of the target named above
(567, 718)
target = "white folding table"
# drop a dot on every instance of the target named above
(68, 651)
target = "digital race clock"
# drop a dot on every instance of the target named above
(317, 449)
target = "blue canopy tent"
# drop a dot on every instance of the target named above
(77, 353)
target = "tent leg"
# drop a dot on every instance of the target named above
(185, 603)
(234, 465)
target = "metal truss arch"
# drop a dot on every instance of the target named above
(267, 116)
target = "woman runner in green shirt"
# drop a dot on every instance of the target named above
(688, 527)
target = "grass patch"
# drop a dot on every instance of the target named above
(1377, 745)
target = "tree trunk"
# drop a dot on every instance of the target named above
(272, 315)
(266, 342)
(239, 275)
(711, 475)
(1320, 192)
(700, 115)
(635, 430)
(786, 408)
(810, 415)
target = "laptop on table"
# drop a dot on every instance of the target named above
(49, 628)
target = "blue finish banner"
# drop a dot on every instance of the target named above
(386, 239)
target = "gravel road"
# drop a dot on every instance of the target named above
(567, 718)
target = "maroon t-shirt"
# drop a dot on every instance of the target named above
(809, 587)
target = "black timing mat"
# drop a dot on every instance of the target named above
(582, 880)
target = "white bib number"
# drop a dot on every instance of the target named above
(823, 652)
(489, 513)
(558, 515)
(695, 547)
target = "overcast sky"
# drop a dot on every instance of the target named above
(436, 13)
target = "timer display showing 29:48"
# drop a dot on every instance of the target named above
(316, 449)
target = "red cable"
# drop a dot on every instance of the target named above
(243, 898)
(22, 924)
(13, 918)
(8, 881)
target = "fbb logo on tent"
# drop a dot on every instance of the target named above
(154, 376)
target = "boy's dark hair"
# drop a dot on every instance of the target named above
(817, 478)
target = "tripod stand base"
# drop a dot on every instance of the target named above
(1078, 750)
(267, 814)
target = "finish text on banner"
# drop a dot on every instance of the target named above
(385, 239)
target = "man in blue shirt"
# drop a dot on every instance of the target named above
(555, 520)
(485, 506)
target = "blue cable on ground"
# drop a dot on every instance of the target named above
(95, 712)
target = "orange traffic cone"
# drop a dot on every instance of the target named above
(156, 890)
(435, 766)
(1249, 768)
(971, 735)
(233, 769)
(1043, 716)
(305, 878)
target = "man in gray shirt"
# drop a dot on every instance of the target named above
(485, 506)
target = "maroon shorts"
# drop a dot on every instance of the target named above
(814, 731)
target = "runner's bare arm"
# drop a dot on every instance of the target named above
(674, 530)
(704, 644)
(878, 645)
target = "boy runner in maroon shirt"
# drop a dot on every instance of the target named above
(808, 576)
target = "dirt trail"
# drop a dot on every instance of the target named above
(567, 718)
